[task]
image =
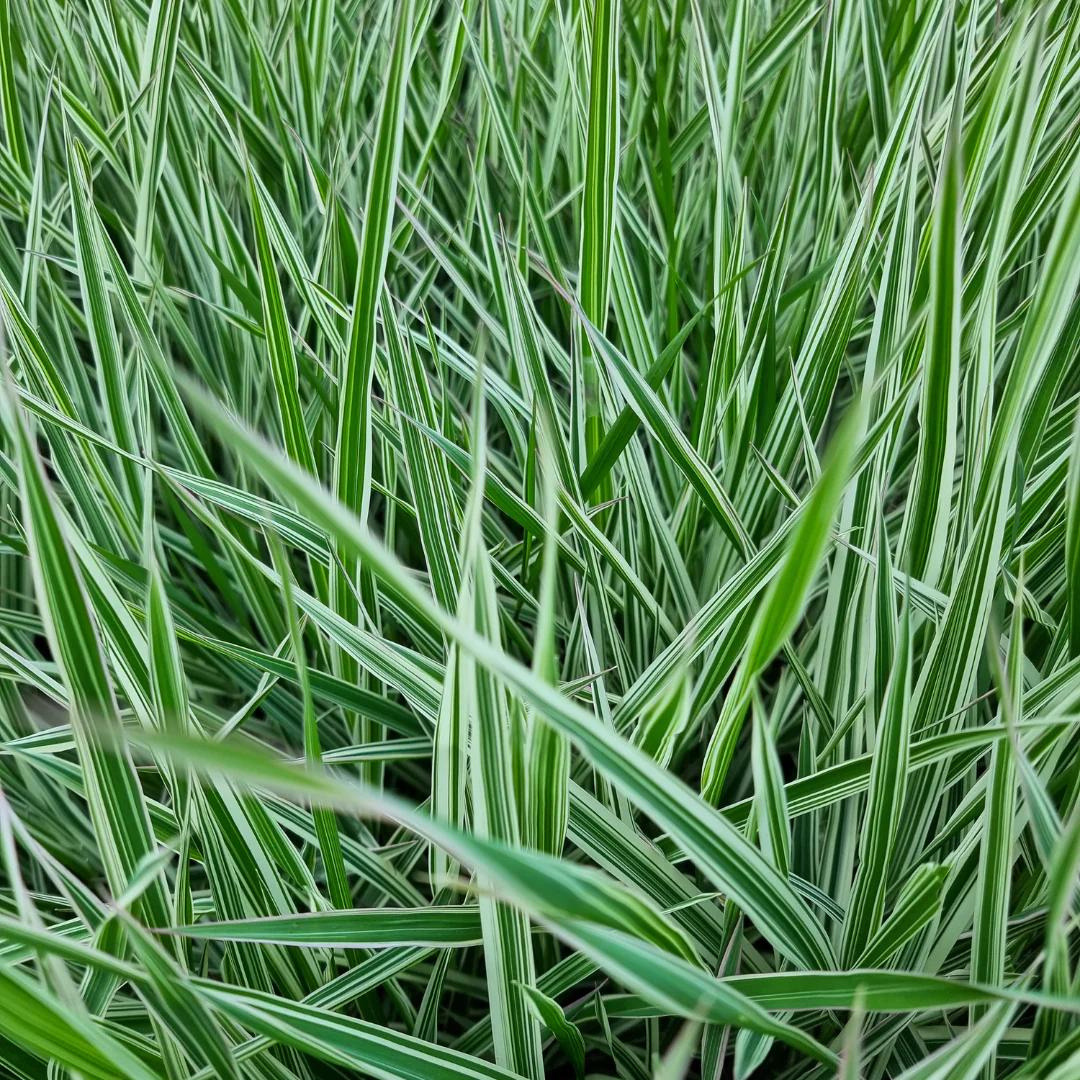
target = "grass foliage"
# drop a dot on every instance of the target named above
(539, 539)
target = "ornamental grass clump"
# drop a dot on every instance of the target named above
(539, 539)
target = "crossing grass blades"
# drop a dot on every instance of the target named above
(539, 539)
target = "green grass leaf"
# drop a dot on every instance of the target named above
(539, 539)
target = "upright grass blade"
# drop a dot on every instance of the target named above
(325, 826)
(601, 19)
(279, 343)
(156, 70)
(353, 447)
(927, 516)
(112, 378)
(547, 757)
(14, 133)
(1072, 540)
(494, 775)
(888, 779)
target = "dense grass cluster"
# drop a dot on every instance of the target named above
(539, 538)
